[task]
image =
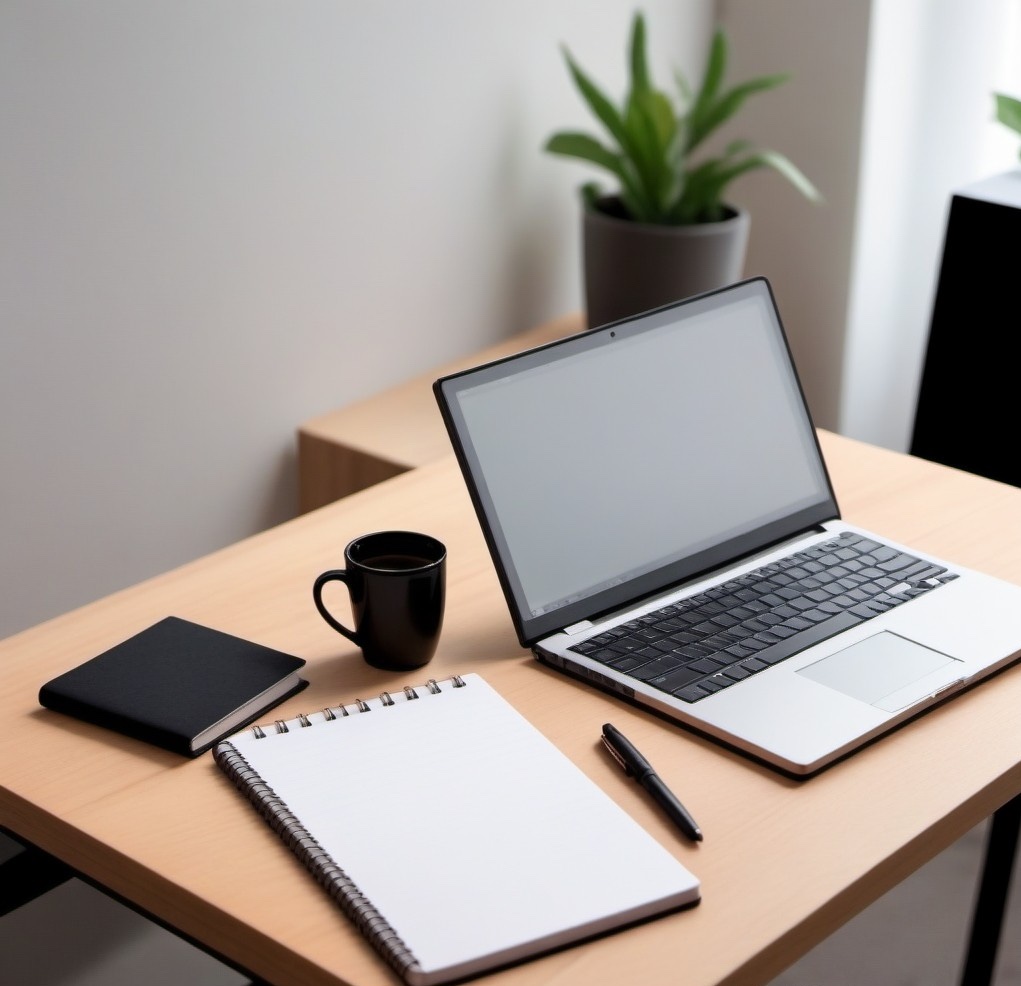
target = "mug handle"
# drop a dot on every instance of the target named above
(338, 575)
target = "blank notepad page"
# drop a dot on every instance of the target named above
(473, 841)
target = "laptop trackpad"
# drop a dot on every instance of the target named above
(886, 670)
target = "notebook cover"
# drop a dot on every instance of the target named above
(172, 681)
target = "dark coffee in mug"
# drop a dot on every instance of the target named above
(396, 563)
(397, 584)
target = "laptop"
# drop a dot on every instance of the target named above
(663, 525)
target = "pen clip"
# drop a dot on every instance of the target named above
(616, 756)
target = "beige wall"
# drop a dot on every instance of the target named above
(816, 120)
(221, 218)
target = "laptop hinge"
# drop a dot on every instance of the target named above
(578, 627)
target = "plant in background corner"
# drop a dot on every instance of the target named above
(1008, 112)
(652, 139)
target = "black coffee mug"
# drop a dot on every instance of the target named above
(397, 582)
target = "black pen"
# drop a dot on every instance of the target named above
(636, 766)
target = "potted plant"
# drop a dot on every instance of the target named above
(668, 231)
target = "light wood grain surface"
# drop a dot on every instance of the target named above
(783, 863)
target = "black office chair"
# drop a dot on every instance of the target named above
(965, 418)
(967, 401)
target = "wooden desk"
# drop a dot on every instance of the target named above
(783, 864)
(400, 429)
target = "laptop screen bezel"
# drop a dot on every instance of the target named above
(532, 628)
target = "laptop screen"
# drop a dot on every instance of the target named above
(624, 459)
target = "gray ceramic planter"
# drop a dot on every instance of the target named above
(631, 267)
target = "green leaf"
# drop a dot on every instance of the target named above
(661, 111)
(676, 164)
(1008, 111)
(651, 125)
(712, 78)
(637, 208)
(649, 122)
(586, 148)
(710, 115)
(702, 199)
(683, 87)
(640, 80)
(781, 164)
(603, 109)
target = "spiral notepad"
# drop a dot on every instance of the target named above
(453, 834)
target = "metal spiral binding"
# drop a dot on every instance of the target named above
(331, 713)
(370, 923)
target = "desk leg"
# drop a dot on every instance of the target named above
(27, 875)
(991, 903)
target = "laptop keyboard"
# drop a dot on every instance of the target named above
(725, 634)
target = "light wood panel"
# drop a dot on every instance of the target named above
(783, 863)
(387, 434)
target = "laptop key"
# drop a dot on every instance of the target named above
(628, 644)
(682, 637)
(692, 693)
(673, 680)
(691, 652)
(663, 665)
(664, 645)
(716, 682)
(649, 634)
(783, 630)
(738, 651)
(626, 665)
(798, 623)
(820, 631)
(921, 571)
(649, 653)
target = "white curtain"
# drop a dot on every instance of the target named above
(929, 128)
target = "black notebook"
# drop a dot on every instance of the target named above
(177, 684)
(454, 835)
